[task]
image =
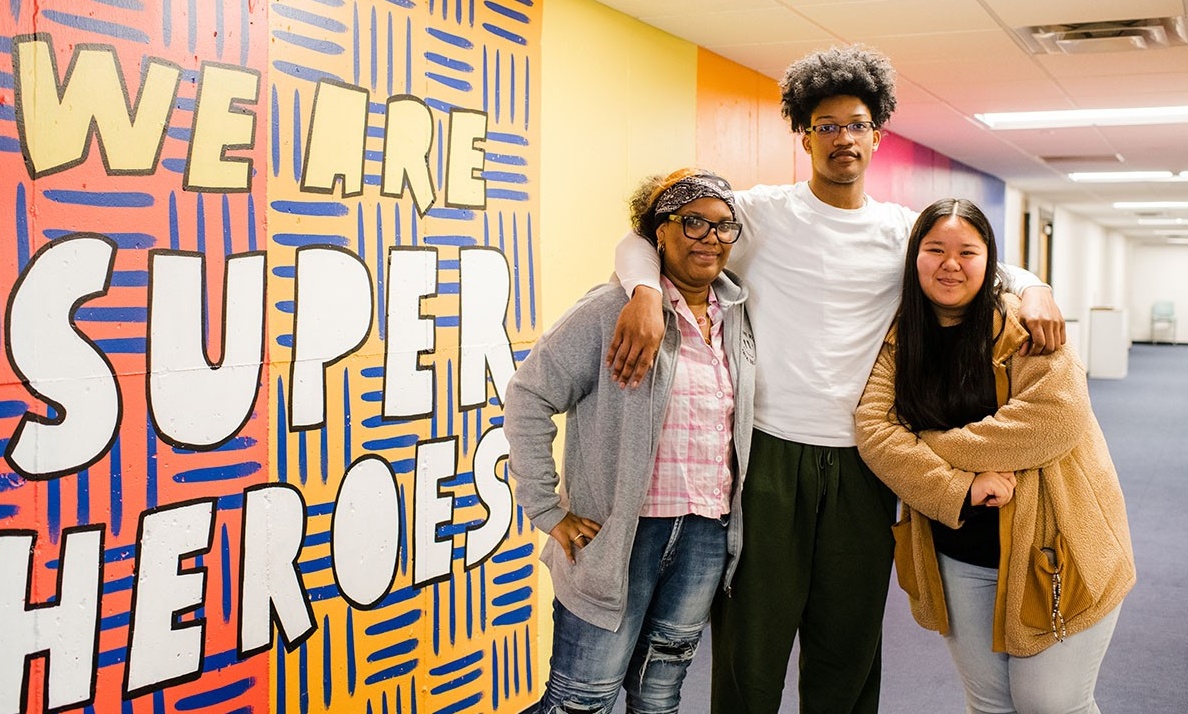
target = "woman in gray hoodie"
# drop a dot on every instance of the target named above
(645, 525)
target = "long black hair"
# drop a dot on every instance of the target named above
(943, 380)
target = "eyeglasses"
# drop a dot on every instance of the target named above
(856, 128)
(697, 228)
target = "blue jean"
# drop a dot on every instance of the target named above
(1058, 680)
(675, 570)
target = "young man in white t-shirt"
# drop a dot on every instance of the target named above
(823, 263)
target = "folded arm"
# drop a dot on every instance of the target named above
(1044, 419)
(924, 480)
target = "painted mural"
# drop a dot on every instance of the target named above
(267, 268)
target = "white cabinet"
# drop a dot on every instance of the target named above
(1109, 343)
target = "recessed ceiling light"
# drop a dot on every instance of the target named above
(1143, 205)
(1127, 176)
(1084, 117)
(1161, 221)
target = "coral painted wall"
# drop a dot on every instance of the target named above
(913, 175)
(267, 269)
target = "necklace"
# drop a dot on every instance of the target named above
(701, 314)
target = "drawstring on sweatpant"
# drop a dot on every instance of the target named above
(824, 463)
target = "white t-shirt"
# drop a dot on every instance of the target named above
(824, 285)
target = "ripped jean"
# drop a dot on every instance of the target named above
(676, 568)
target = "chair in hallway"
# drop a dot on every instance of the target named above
(1163, 315)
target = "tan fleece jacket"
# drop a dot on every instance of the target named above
(1044, 431)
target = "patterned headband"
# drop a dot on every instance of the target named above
(692, 188)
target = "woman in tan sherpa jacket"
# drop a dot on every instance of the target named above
(996, 456)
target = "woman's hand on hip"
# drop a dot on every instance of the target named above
(574, 532)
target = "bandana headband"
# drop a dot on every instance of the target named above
(692, 188)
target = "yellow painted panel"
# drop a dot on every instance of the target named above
(618, 103)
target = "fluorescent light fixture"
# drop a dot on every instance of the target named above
(1178, 241)
(1127, 176)
(1066, 118)
(1150, 205)
(1161, 221)
(1178, 233)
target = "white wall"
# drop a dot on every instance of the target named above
(1089, 268)
(1012, 234)
(1157, 273)
(1095, 267)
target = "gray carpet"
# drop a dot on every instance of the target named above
(1145, 671)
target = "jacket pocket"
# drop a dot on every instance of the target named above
(599, 575)
(1054, 592)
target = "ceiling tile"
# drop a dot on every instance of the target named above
(1107, 64)
(737, 27)
(855, 21)
(981, 97)
(653, 8)
(771, 58)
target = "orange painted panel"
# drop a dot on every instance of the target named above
(740, 132)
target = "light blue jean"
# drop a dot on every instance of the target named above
(1059, 680)
(676, 568)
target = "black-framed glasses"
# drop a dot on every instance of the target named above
(856, 128)
(697, 228)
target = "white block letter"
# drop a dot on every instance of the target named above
(333, 297)
(436, 460)
(195, 404)
(495, 494)
(485, 287)
(161, 652)
(67, 630)
(59, 364)
(364, 532)
(273, 531)
(408, 389)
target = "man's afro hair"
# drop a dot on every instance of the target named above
(854, 70)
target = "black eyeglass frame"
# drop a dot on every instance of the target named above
(856, 128)
(685, 220)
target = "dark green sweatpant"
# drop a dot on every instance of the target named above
(816, 561)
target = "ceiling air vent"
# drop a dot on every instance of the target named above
(1084, 159)
(1114, 36)
(1084, 162)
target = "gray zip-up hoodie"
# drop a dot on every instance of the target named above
(611, 439)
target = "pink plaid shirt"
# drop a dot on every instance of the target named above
(694, 468)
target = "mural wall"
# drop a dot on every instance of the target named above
(267, 268)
